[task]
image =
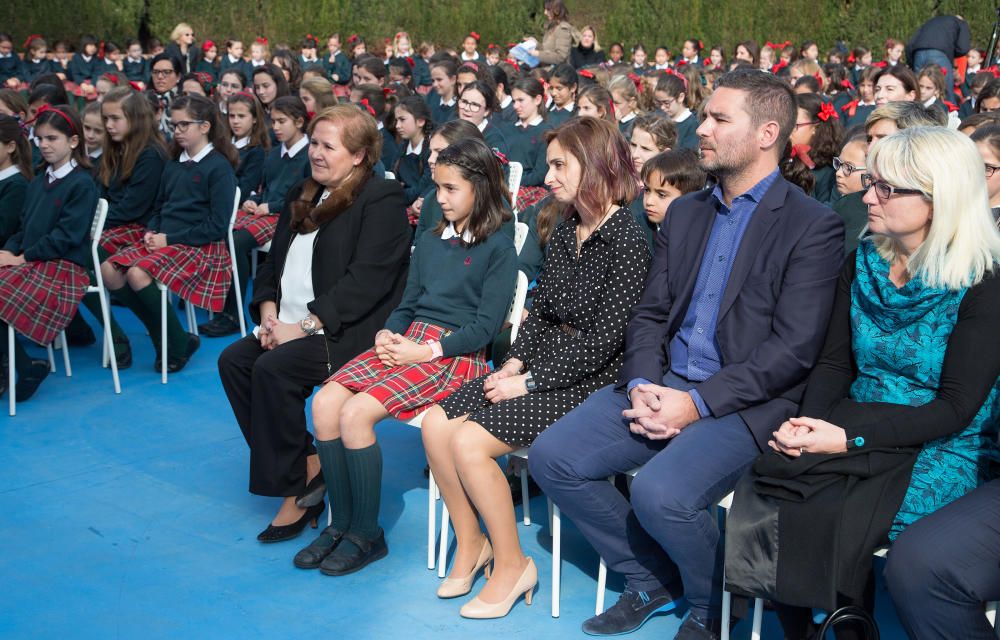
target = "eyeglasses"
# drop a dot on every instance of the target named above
(991, 169)
(664, 104)
(883, 189)
(848, 168)
(162, 73)
(472, 107)
(182, 125)
(805, 124)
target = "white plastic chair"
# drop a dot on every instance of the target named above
(192, 320)
(264, 248)
(11, 371)
(515, 171)
(520, 235)
(389, 175)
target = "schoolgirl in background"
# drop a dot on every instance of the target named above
(749, 52)
(816, 141)
(260, 55)
(15, 173)
(470, 48)
(357, 46)
(43, 265)
(195, 84)
(155, 47)
(93, 132)
(286, 61)
(640, 62)
(930, 85)
(367, 69)
(493, 54)
(183, 245)
(250, 136)
(60, 58)
(661, 59)
(428, 207)
(471, 72)
(231, 82)
(308, 51)
(595, 101)
(371, 99)
(443, 98)
(400, 72)
(36, 61)
(433, 342)
(477, 105)
(505, 104)
(111, 56)
(286, 166)
(670, 98)
(838, 85)
(10, 63)
(859, 59)
(338, 67)
(717, 58)
(402, 47)
(108, 81)
(526, 140)
(856, 111)
(625, 94)
(85, 67)
(616, 53)
(269, 84)
(694, 82)
(894, 50)
(233, 59)
(562, 87)
(135, 66)
(413, 125)
(209, 62)
(13, 104)
(765, 59)
(317, 94)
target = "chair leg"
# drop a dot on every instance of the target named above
(431, 519)
(727, 607)
(192, 318)
(556, 558)
(525, 497)
(602, 580)
(443, 549)
(758, 618)
(11, 377)
(52, 358)
(109, 346)
(163, 335)
(65, 350)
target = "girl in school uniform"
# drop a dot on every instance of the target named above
(368, 69)
(443, 98)
(317, 94)
(10, 63)
(640, 59)
(183, 245)
(250, 136)
(477, 105)
(36, 61)
(135, 66)
(209, 62)
(338, 67)
(413, 125)
(595, 101)
(526, 139)
(505, 104)
(625, 94)
(562, 88)
(930, 83)
(260, 55)
(269, 84)
(85, 67)
(43, 266)
(231, 82)
(234, 60)
(308, 51)
(653, 134)
(93, 133)
(433, 342)
(402, 47)
(816, 141)
(286, 166)
(128, 177)
(470, 45)
(60, 58)
(290, 68)
(371, 99)
(856, 111)
(15, 173)
(669, 97)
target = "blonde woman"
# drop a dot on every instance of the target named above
(182, 47)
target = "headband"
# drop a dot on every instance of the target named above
(366, 105)
(45, 108)
(31, 38)
(208, 44)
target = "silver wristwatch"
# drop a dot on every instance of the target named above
(529, 382)
(308, 326)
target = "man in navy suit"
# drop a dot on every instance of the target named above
(732, 319)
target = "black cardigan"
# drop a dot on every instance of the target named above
(359, 267)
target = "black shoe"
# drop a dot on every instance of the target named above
(220, 326)
(79, 334)
(123, 353)
(312, 556)
(365, 552)
(288, 531)
(314, 493)
(27, 385)
(695, 628)
(631, 612)
(176, 363)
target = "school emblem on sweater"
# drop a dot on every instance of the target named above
(468, 261)
(197, 178)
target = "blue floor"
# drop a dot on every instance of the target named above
(128, 516)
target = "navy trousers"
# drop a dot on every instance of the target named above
(669, 532)
(946, 565)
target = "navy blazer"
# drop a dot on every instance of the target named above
(774, 311)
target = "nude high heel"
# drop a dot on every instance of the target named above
(454, 587)
(476, 608)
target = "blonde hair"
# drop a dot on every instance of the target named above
(597, 45)
(963, 243)
(178, 30)
(321, 90)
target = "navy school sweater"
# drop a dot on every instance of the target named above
(136, 71)
(12, 191)
(132, 201)
(412, 171)
(339, 67)
(56, 219)
(527, 146)
(31, 69)
(10, 67)
(250, 171)
(80, 70)
(195, 201)
(687, 136)
(280, 175)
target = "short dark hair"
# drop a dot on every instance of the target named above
(679, 168)
(769, 98)
(174, 62)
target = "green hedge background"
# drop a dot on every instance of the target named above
(651, 22)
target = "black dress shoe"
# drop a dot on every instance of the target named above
(695, 628)
(174, 362)
(312, 556)
(223, 324)
(123, 353)
(364, 553)
(631, 611)
(27, 384)
(280, 533)
(314, 493)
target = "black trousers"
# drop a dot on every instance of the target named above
(946, 565)
(268, 392)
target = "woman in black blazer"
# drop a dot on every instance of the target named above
(336, 269)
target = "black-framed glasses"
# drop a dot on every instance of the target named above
(883, 189)
(663, 105)
(991, 169)
(472, 107)
(848, 168)
(805, 124)
(182, 125)
(162, 73)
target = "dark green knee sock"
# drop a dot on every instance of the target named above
(93, 303)
(364, 467)
(338, 483)
(177, 338)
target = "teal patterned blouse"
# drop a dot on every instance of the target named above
(899, 339)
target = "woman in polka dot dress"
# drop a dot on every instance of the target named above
(569, 346)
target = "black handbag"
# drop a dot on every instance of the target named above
(850, 614)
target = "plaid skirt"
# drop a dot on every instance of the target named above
(199, 275)
(114, 239)
(260, 227)
(527, 196)
(407, 390)
(40, 298)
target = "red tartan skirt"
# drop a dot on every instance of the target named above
(260, 227)
(199, 275)
(40, 298)
(527, 196)
(407, 390)
(114, 239)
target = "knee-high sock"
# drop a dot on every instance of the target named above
(364, 466)
(338, 482)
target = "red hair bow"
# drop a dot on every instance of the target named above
(364, 103)
(31, 38)
(511, 45)
(881, 64)
(409, 61)
(827, 111)
(586, 73)
(100, 50)
(681, 62)
(388, 91)
(500, 156)
(846, 84)
(400, 34)
(512, 62)
(310, 114)
(110, 77)
(851, 59)
(135, 85)
(801, 151)
(203, 78)
(944, 71)
(778, 67)
(208, 44)
(261, 40)
(992, 70)
(475, 36)
(779, 45)
(472, 65)
(491, 46)
(819, 79)
(47, 108)
(352, 38)
(951, 106)
(636, 80)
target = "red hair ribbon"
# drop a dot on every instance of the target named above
(819, 79)
(31, 38)
(352, 38)
(203, 78)
(680, 76)
(586, 73)
(208, 44)
(410, 61)
(311, 38)
(992, 70)
(511, 45)
(944, 71)
(471, 65)
(261, 40)
(681, 62)
(636, 80)
(475, 36)
(512, 62)
(701, 45)
(100, 50)
(368, 107)
(779, 45)
(851, 59)
(310, 114)
(110, 77)
(491, 46)
(400, 34)
(801, 151)
(846, 84)
(778, 67)
(881, 64)
(388, 91)
(850, 108)
(135, 85)
(827, 111)
(387, 40)
(246, 93)
(501, 157)
(951, 106)
(544, 83)
(47, 108)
